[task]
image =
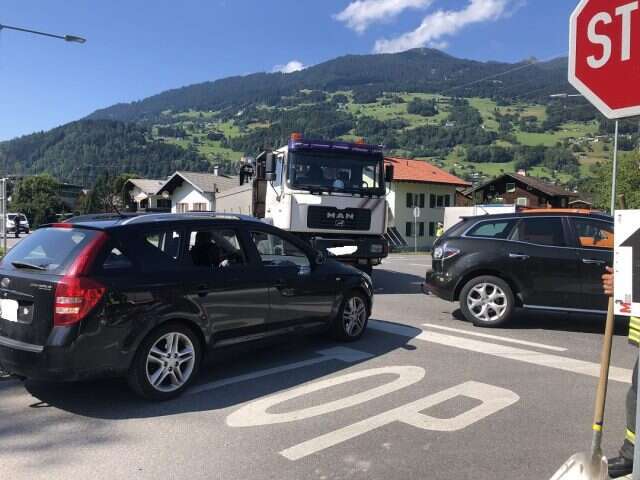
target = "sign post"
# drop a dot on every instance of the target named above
(3, 212)
(604, 66)
(416, 214)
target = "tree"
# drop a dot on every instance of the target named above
(426, 108)
(37, 197)
(107, 195)
(628, 182)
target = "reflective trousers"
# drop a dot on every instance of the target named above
(630, 436)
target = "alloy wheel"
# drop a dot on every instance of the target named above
(487, 302)
(170, 362)
(354, 316)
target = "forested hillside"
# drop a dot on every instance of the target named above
(419, 70)
(474, 119)
(81, 151)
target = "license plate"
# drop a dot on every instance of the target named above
(9, 310)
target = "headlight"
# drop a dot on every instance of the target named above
(377, 248)
(445, 252)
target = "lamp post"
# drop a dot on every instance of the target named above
(66, 38)
(3, 181)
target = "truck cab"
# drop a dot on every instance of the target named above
(332, 194)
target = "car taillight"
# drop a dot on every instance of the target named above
(76, 294)
(75, 298)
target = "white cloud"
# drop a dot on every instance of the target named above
(445, 23)
(292, 66)
(360, 14)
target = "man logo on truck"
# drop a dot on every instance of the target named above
(341, 216)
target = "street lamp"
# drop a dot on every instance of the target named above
(3, 181)
(66, 38)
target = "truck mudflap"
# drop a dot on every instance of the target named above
(352, 250)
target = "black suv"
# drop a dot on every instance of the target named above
(545, 260)
(146, 296)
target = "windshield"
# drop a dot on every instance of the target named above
(335, 172)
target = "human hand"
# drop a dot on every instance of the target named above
(607, 281)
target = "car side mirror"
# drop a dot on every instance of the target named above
(388, 173)
(321, 257)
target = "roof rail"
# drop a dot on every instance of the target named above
(235, 216)
(99, 216)
(205, 214)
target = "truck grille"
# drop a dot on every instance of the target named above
(331, 218)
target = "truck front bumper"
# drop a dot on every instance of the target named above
(353, 249)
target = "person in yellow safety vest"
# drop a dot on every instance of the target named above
(623, 463)
(439, 230)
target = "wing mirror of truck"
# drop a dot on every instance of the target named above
(388, 173)
(269, 167)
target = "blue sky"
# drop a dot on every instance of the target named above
(137, 48)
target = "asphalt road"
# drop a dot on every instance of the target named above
(12, 240)
(423, 395)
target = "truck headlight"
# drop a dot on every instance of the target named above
(377, 248)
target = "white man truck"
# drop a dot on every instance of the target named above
(332, 194)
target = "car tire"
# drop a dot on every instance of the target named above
(162, 368)
(487, 301)
(352, 319)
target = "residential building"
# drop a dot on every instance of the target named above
(193, 192)
(522, 191)
(581, 204)
(417, 183)
(146, 196)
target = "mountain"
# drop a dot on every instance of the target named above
(474, 118)
(418, 70)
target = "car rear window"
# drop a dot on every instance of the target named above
(50, 249)
(492, 229)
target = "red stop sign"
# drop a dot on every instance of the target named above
(604, 55)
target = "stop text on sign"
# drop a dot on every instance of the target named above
(604, 55)
(625, 23)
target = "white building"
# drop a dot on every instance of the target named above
(417, 183)
(195, 192)
(144, 193)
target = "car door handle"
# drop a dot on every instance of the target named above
(592, 261)
(519, 256)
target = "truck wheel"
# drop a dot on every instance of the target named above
(166, 362)
(353, 316)
(487, 301)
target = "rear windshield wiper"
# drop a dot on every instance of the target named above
(28, 265)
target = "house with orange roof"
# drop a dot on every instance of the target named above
(417, 183)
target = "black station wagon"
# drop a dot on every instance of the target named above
(145, 296)
(542, 260)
